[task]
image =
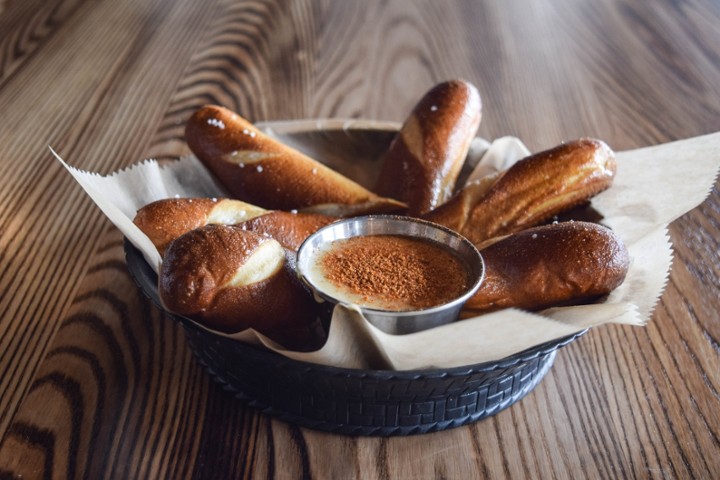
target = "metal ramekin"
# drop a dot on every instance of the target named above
(391, 321)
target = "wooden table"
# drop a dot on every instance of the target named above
(96, 383)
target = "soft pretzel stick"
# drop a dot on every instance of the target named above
(165, 220)
(424, 160)
(260, 170)
(229, 280)
(549, 266)
(529, 192)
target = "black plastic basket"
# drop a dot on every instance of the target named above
(352, 401)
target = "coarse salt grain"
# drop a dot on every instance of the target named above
(216, 123)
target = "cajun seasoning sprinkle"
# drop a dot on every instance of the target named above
(395, 272)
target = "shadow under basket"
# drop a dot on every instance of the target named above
(353, 401)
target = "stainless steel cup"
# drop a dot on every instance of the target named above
(394, 322)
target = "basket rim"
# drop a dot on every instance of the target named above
(309, 125)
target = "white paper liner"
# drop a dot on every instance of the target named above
(653, 187)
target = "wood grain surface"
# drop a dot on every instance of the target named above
(95, 382)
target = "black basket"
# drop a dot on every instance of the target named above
(352, 401)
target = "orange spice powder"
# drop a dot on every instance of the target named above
(395, 272)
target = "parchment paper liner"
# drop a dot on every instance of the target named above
(653, 187)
